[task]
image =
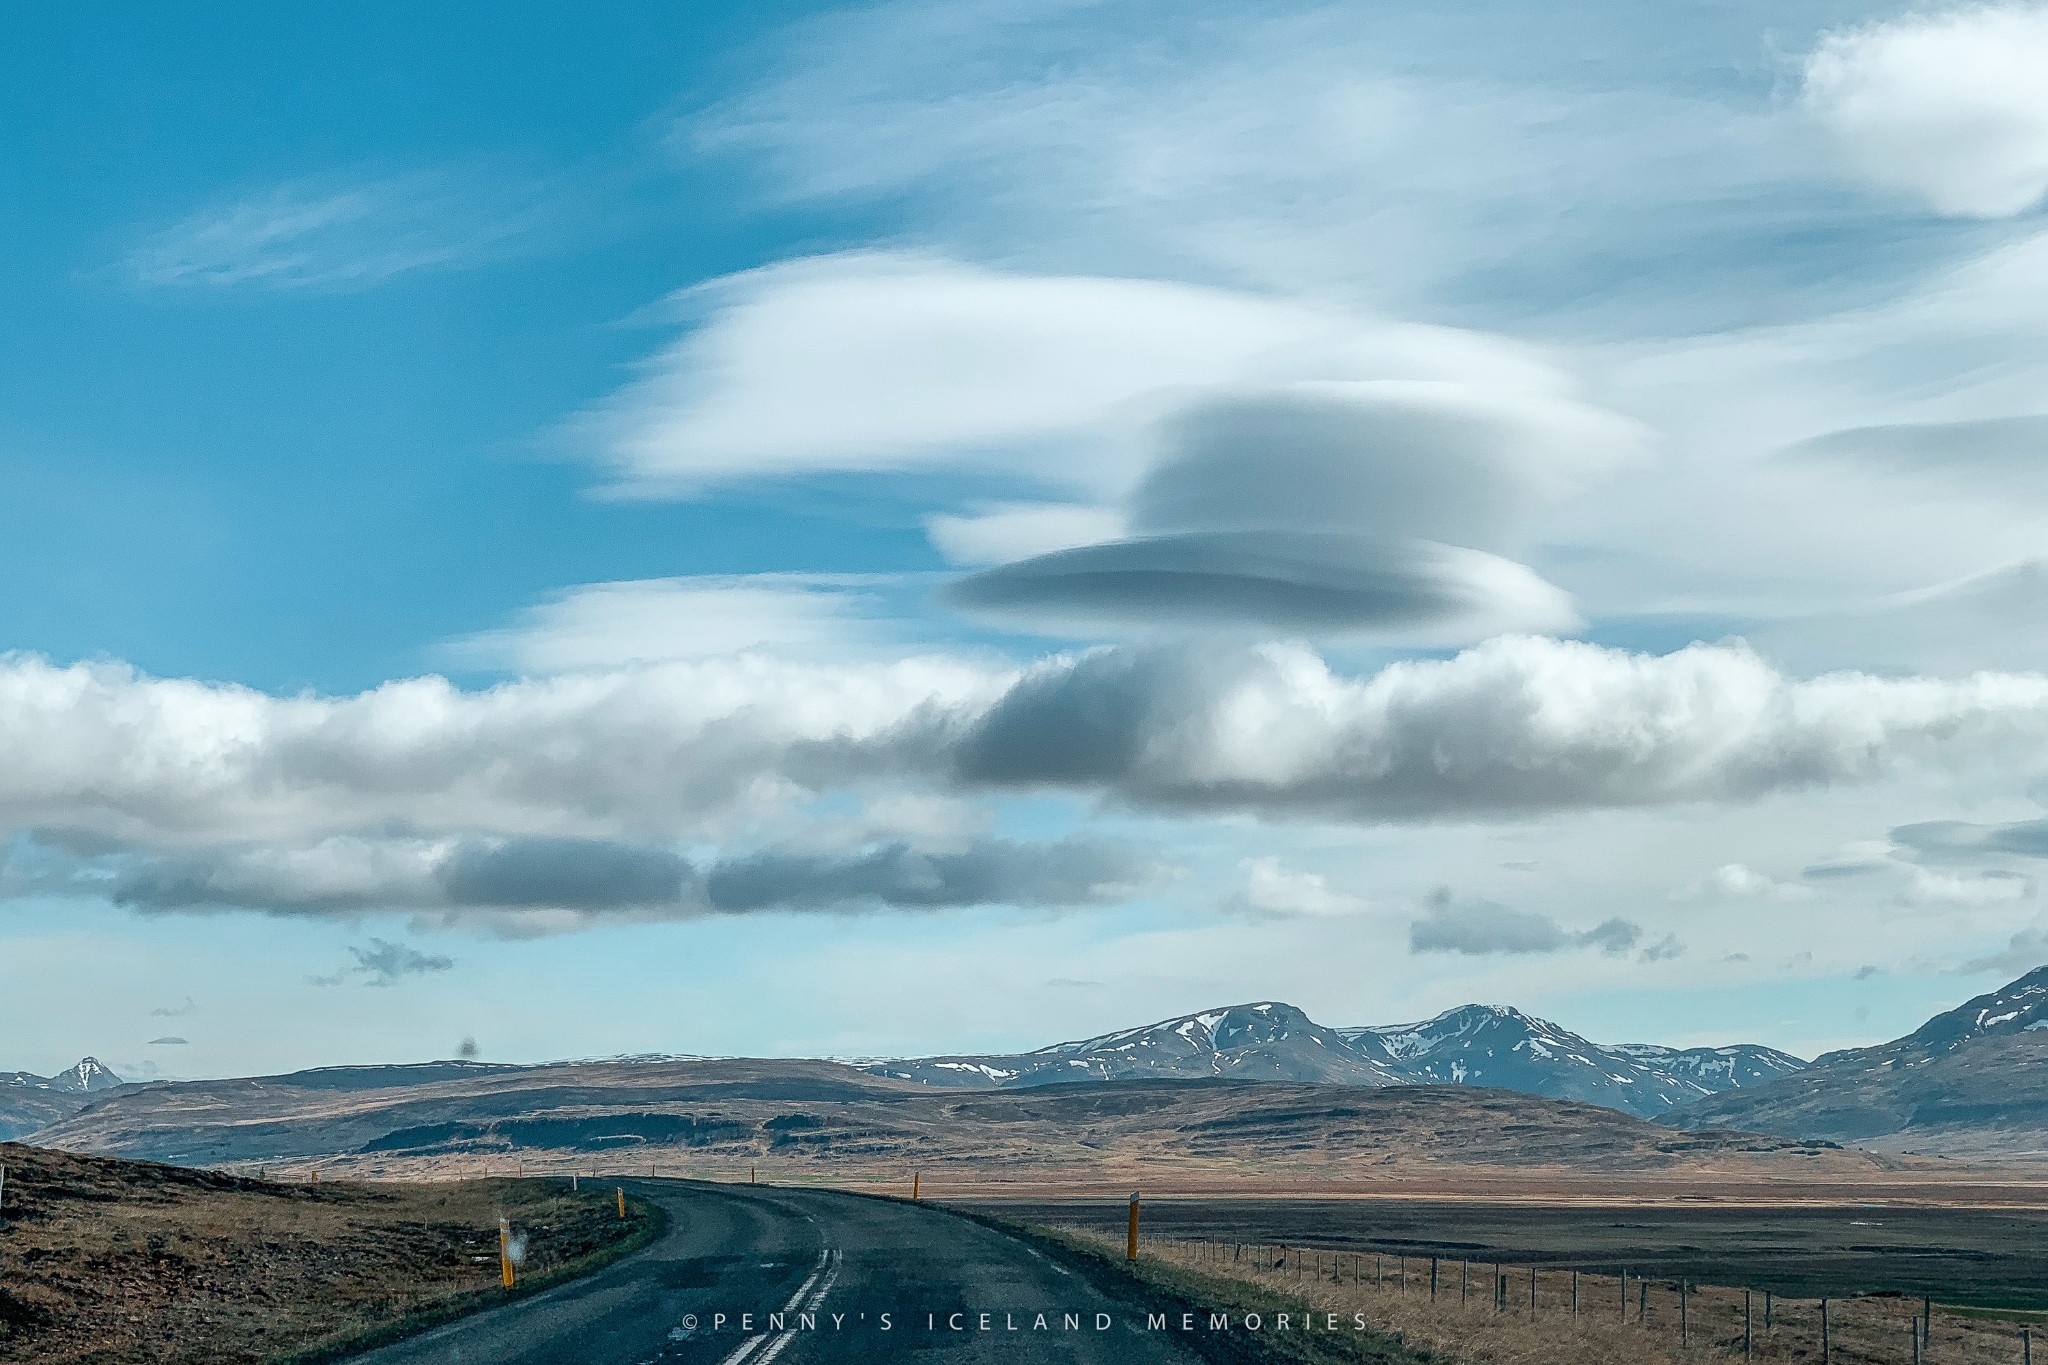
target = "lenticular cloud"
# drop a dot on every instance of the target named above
(1515, 727)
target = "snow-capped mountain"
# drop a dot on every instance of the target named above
(2018, 1007)
(1267, 1041)
(88, 1076)
(1970, 1082)
(1494, 1045)
(1715, 1069)
(29, 1101)
(1471, 1045)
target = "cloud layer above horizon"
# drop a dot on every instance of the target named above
(1527, 497)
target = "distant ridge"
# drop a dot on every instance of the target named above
(1971, 1082)
(29, 1102)
(1482, 1045)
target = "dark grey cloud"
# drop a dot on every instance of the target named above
(1963, 841)
(383, 963)
(590, 879)
(1316, 582)
(169, 1040)
(1384, 461)
(1845, 869)
(566, 874)
(175, 1011)
(986, 872)
(1663, 950)
(2027, 950)
(1997, 454)
(1483, 928)
(1272, 731)
(1315, 508)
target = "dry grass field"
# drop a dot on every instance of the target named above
(1473, 1316)
(1964, 1255)
(819, 1120)
(111, 1262)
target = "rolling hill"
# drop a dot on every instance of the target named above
(709, 1115)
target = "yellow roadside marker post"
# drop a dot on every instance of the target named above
(505, 1275)
(620, 1190)
(1131, 1239)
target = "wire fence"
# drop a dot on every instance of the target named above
(1524, 1310)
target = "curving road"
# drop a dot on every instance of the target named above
(852, 1278)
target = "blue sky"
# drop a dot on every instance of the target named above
(961, 523)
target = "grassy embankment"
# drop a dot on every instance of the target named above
(111, 1262)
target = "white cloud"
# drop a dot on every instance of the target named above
(1006, 531)
(888, 362)
(1270, 890)
(1511, 728)
(1951, 108)
(605, 625)
(1738, 881)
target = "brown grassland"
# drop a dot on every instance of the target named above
(112, 1262)
(1462, 1321)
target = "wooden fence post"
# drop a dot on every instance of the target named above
(1684, 1326)
(1825, 1348)
(1746, 1323)
(1624, 1293)
(1463, 1268)
(1575, 1293)
(1767, 1310)
(1432, 1279)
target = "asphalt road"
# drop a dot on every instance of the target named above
(855, 1279)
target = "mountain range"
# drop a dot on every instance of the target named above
(29, 1102)
(1970, 1082)
(807, 1119)
(1483, 1045)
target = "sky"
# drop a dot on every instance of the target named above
(952, 525)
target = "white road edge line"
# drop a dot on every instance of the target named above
(745, 1350)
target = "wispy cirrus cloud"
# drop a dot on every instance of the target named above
(343, 232)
